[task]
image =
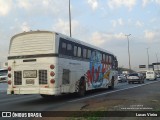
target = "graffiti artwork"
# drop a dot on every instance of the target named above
(99, 73)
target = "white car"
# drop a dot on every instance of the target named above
(121, 78)
(151, 75)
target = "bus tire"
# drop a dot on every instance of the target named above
(112, 84)
(82, 87)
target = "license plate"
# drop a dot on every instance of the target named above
(30, 81)
(29, 73)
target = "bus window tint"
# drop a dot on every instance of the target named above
(103, 58)
(89, 53)
(107, 58)
(75, 50)
(84, 53)
(79, 51)
(64, 45)
(63, 49)
(69, 47)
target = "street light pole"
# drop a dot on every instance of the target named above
(128, 51)
(70, 19)
(148, 57)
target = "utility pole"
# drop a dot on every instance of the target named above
(70, 31)
(128, 51)
(148, 57)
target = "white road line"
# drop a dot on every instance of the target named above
(111, 92)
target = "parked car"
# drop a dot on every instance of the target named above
(3, 75)
(121, 78)
(135, 77)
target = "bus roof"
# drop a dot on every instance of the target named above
(64, 36)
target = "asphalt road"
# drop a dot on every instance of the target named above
(72, 102)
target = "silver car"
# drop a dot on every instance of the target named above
(135, 77)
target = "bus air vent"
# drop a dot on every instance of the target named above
(17, 77)
(42, 76)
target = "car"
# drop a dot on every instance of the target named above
(151, 75)
(135, 77)
(158, 75)
(121, 78)
(3, 75)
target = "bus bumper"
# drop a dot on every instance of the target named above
(47, 91)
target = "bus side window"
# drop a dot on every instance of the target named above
(63, 48)
(107, 59)
(79, 52)
(75, 51)
(69, 50)
(89, 54)
(103, 59)
(110, 60)
(84, 53)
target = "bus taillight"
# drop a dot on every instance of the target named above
(9, 75)
(52, 73)
(9, 68)
(52, 66)
(52, 81)
(9, 82)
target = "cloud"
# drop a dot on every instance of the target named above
(139, 23)
(25, 4)
(119, 3)
(43, 7)
(101, 39)
(152, 36)
(25, 27)
(63, 26)
(157, 1)
(5, 7)
(117, 22)
(93, 4)
(145, 2)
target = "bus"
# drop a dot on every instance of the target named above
(50, 64)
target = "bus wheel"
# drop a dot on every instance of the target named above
(81, 88)
(112, 84)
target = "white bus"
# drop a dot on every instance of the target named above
(50, 63)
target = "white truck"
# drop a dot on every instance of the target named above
(151, 75)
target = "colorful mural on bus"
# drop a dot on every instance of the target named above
(99, 73)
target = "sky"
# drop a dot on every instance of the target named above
(103, 23)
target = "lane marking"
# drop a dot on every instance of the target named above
(111, 92)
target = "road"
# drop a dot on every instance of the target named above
(124, 92)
